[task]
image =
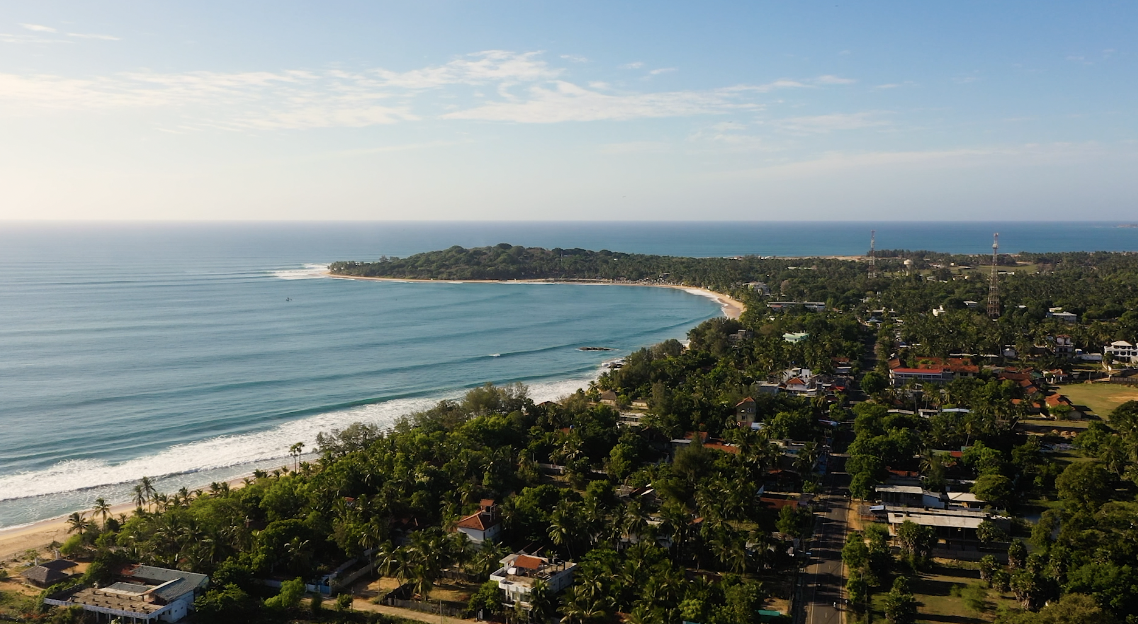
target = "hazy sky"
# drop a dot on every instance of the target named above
(568, 110)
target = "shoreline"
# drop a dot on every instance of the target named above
(15, 541)
(732, 308)
(39, 535)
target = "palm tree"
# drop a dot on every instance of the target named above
(148, 488)
(139, 497)
(103, 509)
(298, 554)
(296, 450)
(76, 523)
(561, 527)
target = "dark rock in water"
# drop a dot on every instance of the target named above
(594, 349)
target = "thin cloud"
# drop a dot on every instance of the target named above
(39, 28)
(477, 68)
(21, 38)
(662, 70)
(833, 80)
(93, 36)
(569, 102)
(1028, 154)
(891, 85)
(634, 65)
(575, 58)
(634, 147)
(823, 124)
(492, 85)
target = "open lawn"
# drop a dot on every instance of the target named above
(1100, 397)
(943, 595)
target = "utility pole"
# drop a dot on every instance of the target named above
(994, 283)
(872, 251)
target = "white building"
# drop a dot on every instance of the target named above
(483, 526)
(520, 571)
(1058, 313)
(142, 593)
(1122, 351)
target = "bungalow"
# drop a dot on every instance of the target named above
(739, 336)
(1058, 313)
(639, 404)
(519, 573)
(953, 526)
(964, 499)
(760, 288)
(908, 496)
(48, 573)
(483, 526)
(141, 593)
(766, 387)
(608, 397)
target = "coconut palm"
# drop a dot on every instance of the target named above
(147, 488)
(562, 528)
(387, 559)
(296, 450)
(77, 523)
(103, 509)
(139, 497)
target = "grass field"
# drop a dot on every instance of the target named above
(940, 598)
(1101, 398)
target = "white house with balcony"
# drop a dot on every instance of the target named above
(1122, 351)
(519, 573)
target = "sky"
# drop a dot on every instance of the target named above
(460, 110)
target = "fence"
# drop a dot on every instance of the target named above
(437, 608)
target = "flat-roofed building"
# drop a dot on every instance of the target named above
(520, 571)
(141, 593)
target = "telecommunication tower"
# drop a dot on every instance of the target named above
(872, 245)
(994, 283)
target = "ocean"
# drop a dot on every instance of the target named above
(198, 352)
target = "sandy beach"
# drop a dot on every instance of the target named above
(16, 541)
(732, 308)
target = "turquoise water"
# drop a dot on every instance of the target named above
(199, 360)
(198, 352)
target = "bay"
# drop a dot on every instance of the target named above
(197, 352)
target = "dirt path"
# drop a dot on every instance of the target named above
(363, 605)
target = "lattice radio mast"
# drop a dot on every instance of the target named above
(994, 283)
(872, 251)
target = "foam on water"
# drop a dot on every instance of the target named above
(199, 463)
(226, 451)
(310, 271)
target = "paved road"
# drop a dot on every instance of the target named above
(824, 578)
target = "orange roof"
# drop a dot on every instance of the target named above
(486, 502)
(796, 382)
(745, 401)
(478, 521)
(1057, 399)
(726, 448)
(528, 562)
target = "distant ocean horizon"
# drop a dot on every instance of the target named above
(197, 352)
